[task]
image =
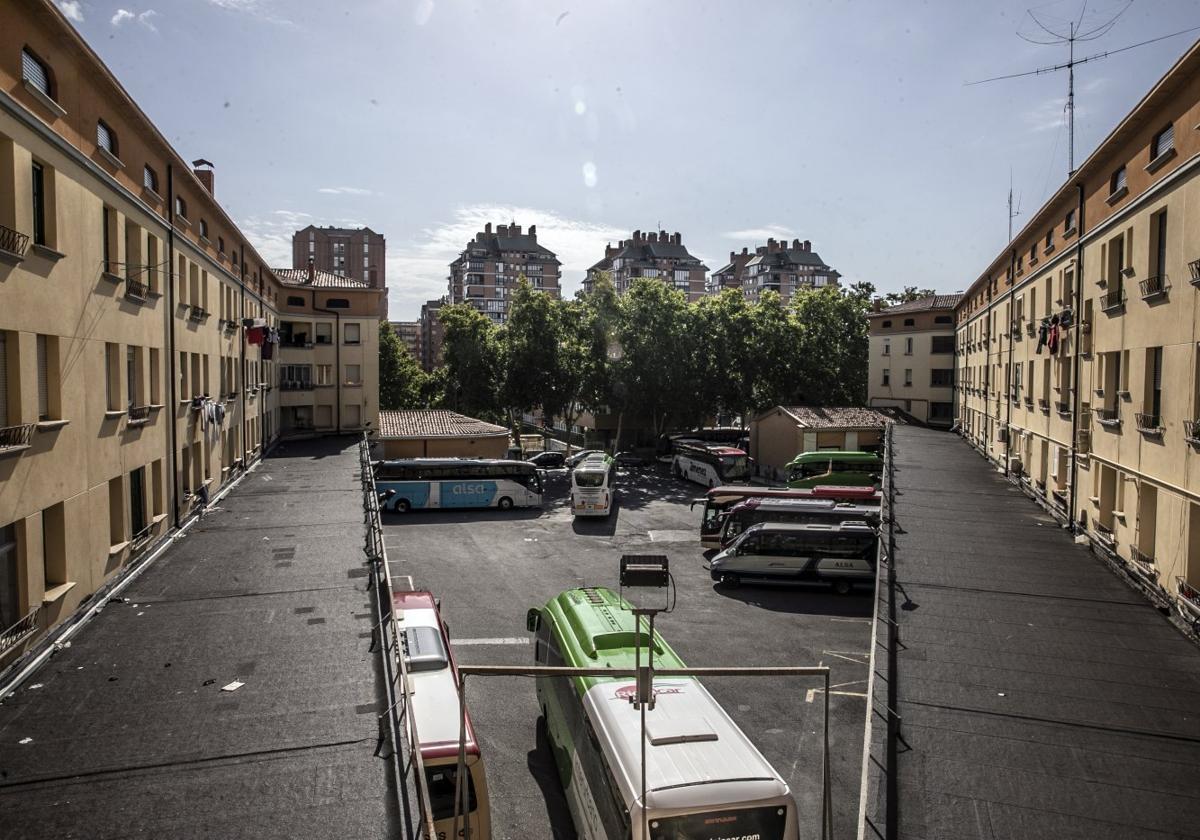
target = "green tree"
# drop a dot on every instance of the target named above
(530, 353)
(776, 341)
(471, 356)
(910, 293)
(653, 373)
(831, 353)
(726, 358)
(401, 380)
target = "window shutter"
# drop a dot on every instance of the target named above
(1158, 356)
(103, 137)
(3, 380)
(34, 72)
(1166, 140)
(43, 379)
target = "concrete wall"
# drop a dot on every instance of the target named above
(776, 438)
(472, 447)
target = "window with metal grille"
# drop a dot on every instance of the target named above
(105, 138)
(149, 178)
(1163, 142)
(35, 72)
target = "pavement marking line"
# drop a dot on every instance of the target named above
(813, 692)
(854, 620)
(848, 655)
(509, 640)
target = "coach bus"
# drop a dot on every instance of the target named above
(593, 486)
(433, 678)
(710, 464)
(840, 554)
(704, 778)
(720, 500)
(855, 469)
(457, 483)
(804, 511)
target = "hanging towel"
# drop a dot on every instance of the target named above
(1052, 339)
(1043, 334)
(255, 335)
(268, 351)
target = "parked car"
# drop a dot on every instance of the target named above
(548, 460)
(632, 459)
(575, 458)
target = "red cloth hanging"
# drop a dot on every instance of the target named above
(1052, 339)
(254, 335)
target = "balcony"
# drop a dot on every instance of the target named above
(138, 415)
(1110, 417)
(13, 245)
(1112, 301)
(295, 385)
(1044, 405)
(1144, 561)
(136, 291)
(25, 627)
(1063, 408)
(1194, 268)
(197, 314)
(1015, 332)
(1083, 441)
(1149, 424)
(15, 438)
(1191, 432)
(230, 327)
(1029, 402)
(1155, 287)
(1031, 329)
(1189, 602)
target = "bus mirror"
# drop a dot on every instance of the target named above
(533, 620)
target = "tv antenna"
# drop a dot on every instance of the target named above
(1012, 214)
(1085, 27)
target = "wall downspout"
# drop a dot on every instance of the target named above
(1077, 402)
(243, 440)
(337, 355)
(173, 404)
(1010, 373)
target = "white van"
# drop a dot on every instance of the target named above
(840, 554)
(593, 486)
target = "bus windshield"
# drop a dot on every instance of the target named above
(735, 467)
(590, 479)
(766, 823)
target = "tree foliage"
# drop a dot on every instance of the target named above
(471, 354)
(402, 383)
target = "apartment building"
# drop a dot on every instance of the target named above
(431, 334)
(357, 253)
(1077, 356)
(486, 272)
(328, 358)
(783, 270)
(130, 302)
(659, 255)
(409, 332)
(912, 361)
(730, 275)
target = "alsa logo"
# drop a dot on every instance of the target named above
(628, 692)
(469, 489)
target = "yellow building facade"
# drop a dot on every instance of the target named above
(128, 380)
(1077, 349)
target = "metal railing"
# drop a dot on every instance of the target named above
(1148, 423)
(1152, 287)
(887, 555)
(136, 290)
(1191, 431)
(1187, 603)
(1112, 300)
(13, 241)
(197, 313)
(1194, 270)
(397, 721)
(12, 437)
(138, 414)
(24, 627)
(1108, 416)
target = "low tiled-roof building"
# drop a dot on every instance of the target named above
(437, 433)
(780, 434)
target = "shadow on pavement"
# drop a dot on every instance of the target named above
(540, 761)
(448, 516)
(812, 599)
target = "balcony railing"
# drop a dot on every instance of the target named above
(230, 327)
(136, 291)
(1150, 424)
(293, 385)
(1143, 560)
(1029, 402)
(1189, 602)
(25, 627)
(13, 241)
(138, 415)
(1083, 441)
(1194, 268)
(1108, 416)
(1062, 407)
(1153, 287)
(16, 437)
(1112, 300)
(1031, 329)
(1044, 404)
(197, 314)
(1191, 431)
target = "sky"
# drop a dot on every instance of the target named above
(849, 124)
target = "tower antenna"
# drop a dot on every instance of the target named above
(1051, 31)
(1012, 214)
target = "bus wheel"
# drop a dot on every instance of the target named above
(841, 587)
(730, 580)
(505, 503)
(401, 506)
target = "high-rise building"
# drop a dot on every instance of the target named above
(431, 334)
(409, 332)
(730, 275)
(357, 253)
(486, 272)
(659, 255)
(783, 270)
(911, 362)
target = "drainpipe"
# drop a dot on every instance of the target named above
(1078, 400)
(242, 353)
(1009, 375)
(337, 351)
(173, 404)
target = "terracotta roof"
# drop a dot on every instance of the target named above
(925, 304)
(434, 423)
(816, 417)
(321, 279)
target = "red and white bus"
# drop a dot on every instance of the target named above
(720, 500)
(433, 678)
(710, 464)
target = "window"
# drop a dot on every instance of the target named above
(324, 374)
(353, 375)
(155, 377)
(1158, 237)
(47, 373)
(909, 322)
(1153, 397)
(887, 376)
(1117, 183)
(203, 229)
(324, 332)
(221, 244)
(54, 546)
(10, 606)
(350, 415)
(149, 179)
(1049, 241)
(886, 324)
(351, 333)
(106, 138)
(112, 376)
(4, 418)
(36, 74)
(943, 319)
(887, 347)
(295, 300)
(39, 203)
(337, 303)
(1033, 253)
(907, 377)
(116, 512)
(1163, 142)
(943, 344)
(908, 346)
(1069, 224)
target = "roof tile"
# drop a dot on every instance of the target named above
(434, 423)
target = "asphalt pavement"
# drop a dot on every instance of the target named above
(489, 567)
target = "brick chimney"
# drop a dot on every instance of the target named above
(312, 271)
(677, 239)
(487, 228)
(653, 237)
(204, 174)
(533, 232)
(637, 237)
(796, 244)
(745, 251)
(514, 230)
(807, 245)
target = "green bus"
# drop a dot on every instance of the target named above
(833, 469)
(703, 774)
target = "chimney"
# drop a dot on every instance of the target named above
(653, 237)
(533, 231)
(205, 175)
(514, 230)
(487, 228)
(745, 251)
(807, 245)
(796, 244)
(770, 245)
(312, 271)
(662, 236)
(877, 305)
(731, 256)
(678, 238)
(637, 237)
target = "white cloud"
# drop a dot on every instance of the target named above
(144, 18)
(418, 271)
(255, 8)
(761, 234)
(345, 191)
(70, 9)
(271, 235)
(121, 16)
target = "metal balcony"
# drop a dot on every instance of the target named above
(1083, 441)
(25, 627)
(196, 314)
(1143, 560)
(1191, 432)
(1031, 329)
(15, 438)
(13, 242)
(1108, 416)
(1155, 287)
(1194, 268)
(1150, 424)
(1062, 407)
(1029, 402)
(138, 415)
(1044, 405)
(1112, 300)
(136, 291)
(1188, 603)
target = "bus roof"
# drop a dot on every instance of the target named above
(596, 461)
(704, 446)
(824, 491)
(786, 504)
(434, 689)
(691, 743)
(597, 631)
(450, 462)
(841, 455)
(805, 527)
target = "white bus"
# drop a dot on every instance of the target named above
(457, 483)
(710, 464)
(841, 554)
(593, 486)
(433, 677)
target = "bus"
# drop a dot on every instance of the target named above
(810, 510)
(719, 500)
(417, 483)
(593, 486)
(433, 678)
(705, 779)
(841, 554)
(710, 464)
(855, 469)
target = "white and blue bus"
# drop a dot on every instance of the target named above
(457, 483)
